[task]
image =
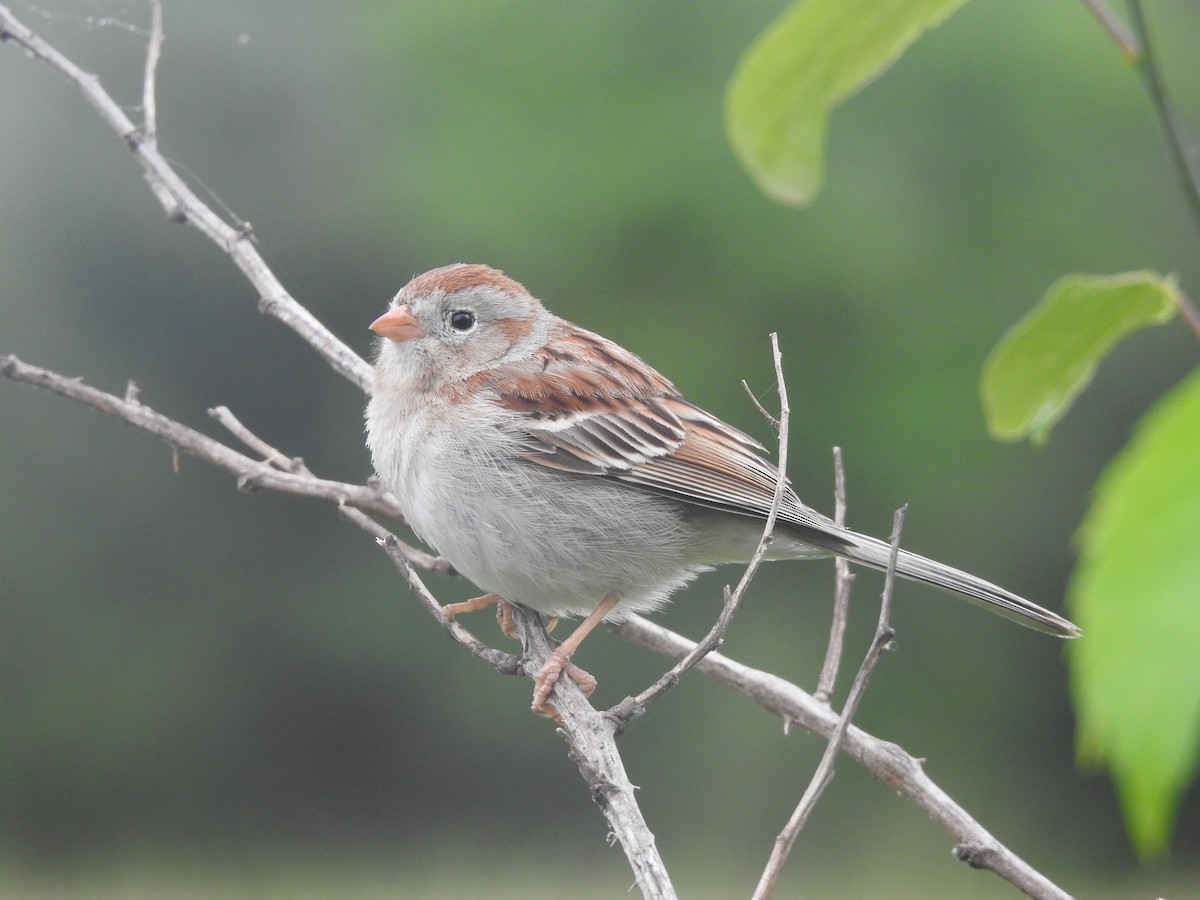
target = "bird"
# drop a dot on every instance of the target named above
(558, 471)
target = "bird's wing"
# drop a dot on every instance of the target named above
(601, 411)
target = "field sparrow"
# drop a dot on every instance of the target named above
(558, 471)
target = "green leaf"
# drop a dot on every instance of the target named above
(814, 56)
(1047, 358)
(1136, 595)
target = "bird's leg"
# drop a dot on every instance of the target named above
(504, 615)
(457, 609)
(504, 619)
(503, 612)
(559, 661)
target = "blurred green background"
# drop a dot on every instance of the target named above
(208, 692)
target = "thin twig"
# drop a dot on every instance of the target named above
(631, 707)
(270, 455)
(181, 204)
(251, 474)
(149, 91)
(1187, 309)
(504, 663)
(886, 761)
(781, 479)
(824, 773)
(843, 579)
(1138, 49)
(1126, 42)
(1177, 140)
(771, 420)
(295, 465)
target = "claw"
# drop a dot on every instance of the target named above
(504, 618)
(549, 676)
(560, 660)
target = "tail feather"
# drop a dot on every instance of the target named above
(875, 553)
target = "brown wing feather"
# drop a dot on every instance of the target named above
(720, 467)
(592, 408)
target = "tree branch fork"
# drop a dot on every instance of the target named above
(590, 734)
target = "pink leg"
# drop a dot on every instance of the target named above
(505, 620)
(503, 611)
(560, 660)
(457, 609)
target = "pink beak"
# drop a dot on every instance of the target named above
(398, 324)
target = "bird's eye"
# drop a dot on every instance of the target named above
(462, 320)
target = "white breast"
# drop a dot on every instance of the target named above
(553, 541)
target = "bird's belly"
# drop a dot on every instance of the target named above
(556, 542)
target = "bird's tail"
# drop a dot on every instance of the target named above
(875, 553)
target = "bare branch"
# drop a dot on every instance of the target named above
(179, 201)
(631, 707)
(1178, 142)
(270, 455)
(771, 420)
(149, 91)
(885, 761)
(843, 579)
(252, 475)
(1138, 49)
(591, 736)
(1125, 41)
(824, 773)
(504, 663)
(1180, 145)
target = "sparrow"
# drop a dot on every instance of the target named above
(558, 471)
